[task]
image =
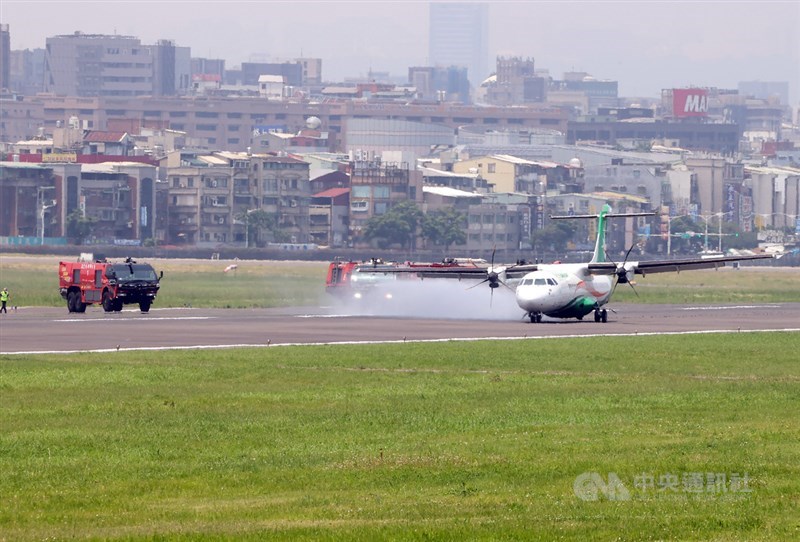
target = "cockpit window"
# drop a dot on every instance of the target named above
(539, 282)
(551, 282)
(527, 282)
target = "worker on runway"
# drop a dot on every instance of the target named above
(4, 300)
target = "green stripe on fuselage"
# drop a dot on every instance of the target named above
(577, 308)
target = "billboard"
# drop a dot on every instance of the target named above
(689, 102)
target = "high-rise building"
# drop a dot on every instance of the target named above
(443, 84)
(172, 68)
(312, 70)
(208, 66)
(765, 90)
(5, 57)
(98, 65)
(459, 36)
(27, 71)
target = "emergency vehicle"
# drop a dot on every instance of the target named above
(375, 277)
(113, 285)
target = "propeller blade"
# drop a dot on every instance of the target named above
(628, 254)
(634, 290)
(476, 285)
(506, 285)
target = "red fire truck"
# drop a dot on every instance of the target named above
(375, 276)
(113, 285)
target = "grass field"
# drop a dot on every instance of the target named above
(33, 281)
(448, 441)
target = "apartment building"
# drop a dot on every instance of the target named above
(210, 194)
(25, 190)
(236, 123)
(119, 196)
(512, 174)
(375, 186)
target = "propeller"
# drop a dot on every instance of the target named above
(493, 278)
(621, 272)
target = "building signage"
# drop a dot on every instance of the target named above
(70, 157)
(263, 129)
(689, 102)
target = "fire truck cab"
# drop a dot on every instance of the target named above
(113, 285)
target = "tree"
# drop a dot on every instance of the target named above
(445, 227)
(396, 226)
(256, 221)
(554, 236)
(79, 227)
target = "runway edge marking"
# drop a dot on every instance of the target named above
(398, 341)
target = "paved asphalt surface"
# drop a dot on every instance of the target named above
(39, 329)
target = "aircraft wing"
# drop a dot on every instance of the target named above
(477, 272)
(670, 266)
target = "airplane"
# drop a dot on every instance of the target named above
(556, 290)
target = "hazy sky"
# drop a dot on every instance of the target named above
(646, 45)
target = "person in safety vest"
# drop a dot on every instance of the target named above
(4, 300)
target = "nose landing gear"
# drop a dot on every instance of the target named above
(535, 317)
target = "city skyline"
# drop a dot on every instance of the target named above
(657, 45)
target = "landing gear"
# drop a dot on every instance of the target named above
(601, 315)
(535, 317)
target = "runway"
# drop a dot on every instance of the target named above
(45, 330)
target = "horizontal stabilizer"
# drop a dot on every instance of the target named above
(608, 215)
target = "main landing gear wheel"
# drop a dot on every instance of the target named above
(601, 315)
(535, 317)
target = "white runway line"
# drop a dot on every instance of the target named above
(728, 307)
(401, 341)
(329, 315)
(143, 319)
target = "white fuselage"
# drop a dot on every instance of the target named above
(563, 290)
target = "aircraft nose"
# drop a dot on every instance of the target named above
(531, 298)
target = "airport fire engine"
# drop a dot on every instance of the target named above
(361, 279)
(113, 285)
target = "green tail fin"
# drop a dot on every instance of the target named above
(599, 255)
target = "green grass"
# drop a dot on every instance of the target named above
(726, 285)
(33, 281)
(447, 441)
